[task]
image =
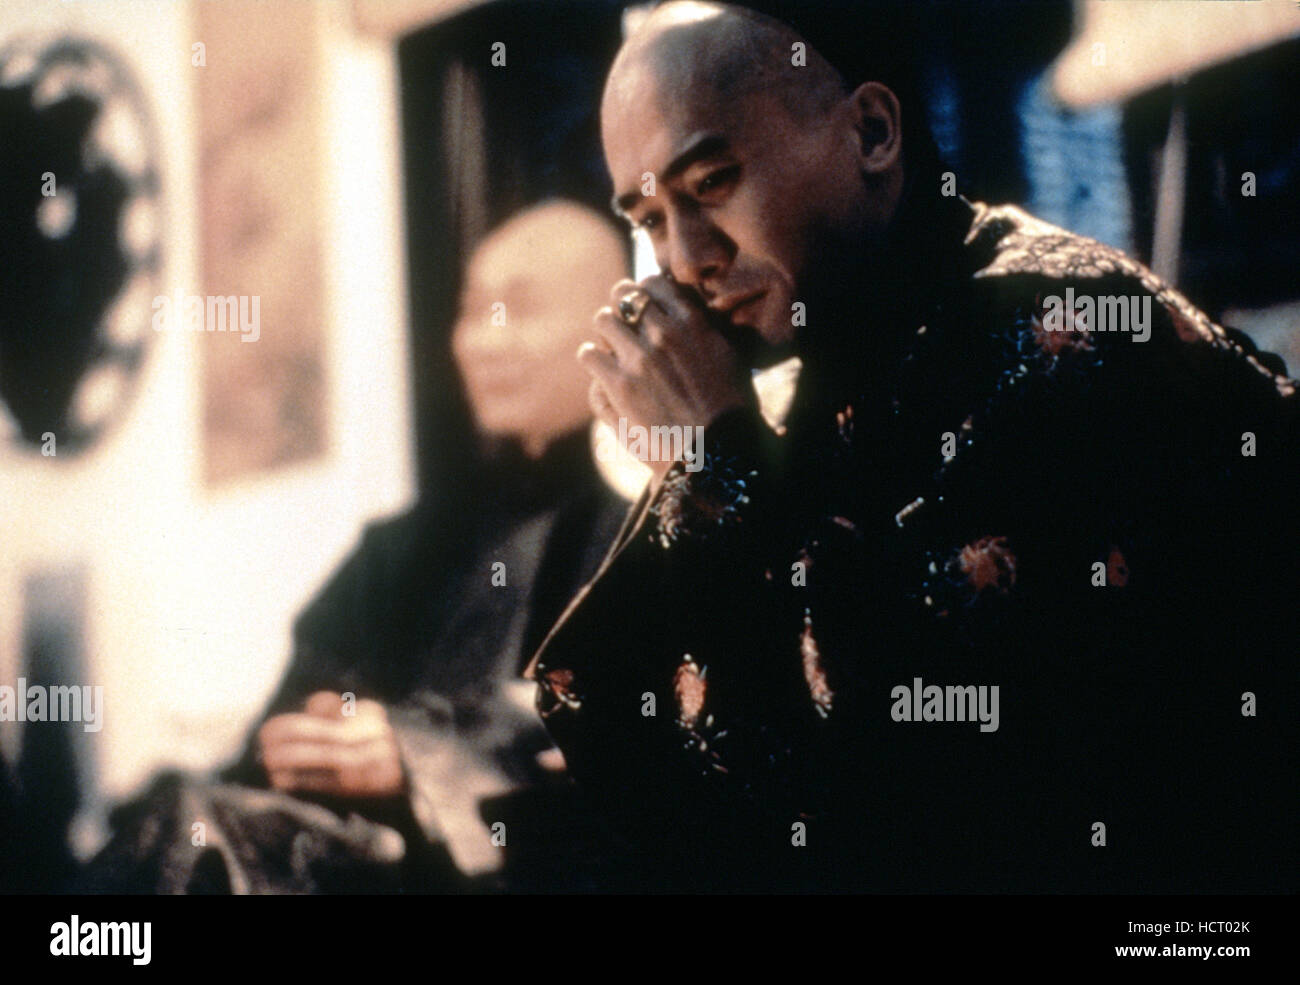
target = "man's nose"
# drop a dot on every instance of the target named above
(485, 333)
(698, 251)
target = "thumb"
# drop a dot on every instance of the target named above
(325, 704)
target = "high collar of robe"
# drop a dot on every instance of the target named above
(511, 482)
(857, 331)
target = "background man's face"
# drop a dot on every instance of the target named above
(744, 193)
(525, 307)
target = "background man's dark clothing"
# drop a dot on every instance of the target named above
(414, 620)
(951, 482)
(10, 830)
(415, 605)
(417, 620)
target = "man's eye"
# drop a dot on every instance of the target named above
(716, 179)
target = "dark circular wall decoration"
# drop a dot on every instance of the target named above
(80, 258)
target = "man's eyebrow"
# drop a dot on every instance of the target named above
(709, 145)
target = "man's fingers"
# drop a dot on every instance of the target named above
(291, 756)
(680, 309)
(299, 756)
(641, 349)
(662, 313)
(346, 755)
(301, 727)
(600, 404)
(622, 289)
(325, 704)
(324, 755)
(623, 340)
(330, 704)
(674, 330)
(602, 365)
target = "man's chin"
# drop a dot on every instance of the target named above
(755, 351)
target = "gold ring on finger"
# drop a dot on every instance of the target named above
(631, 306)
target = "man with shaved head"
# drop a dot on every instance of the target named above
(1006, 600)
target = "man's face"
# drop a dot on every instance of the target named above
(745, 196)
(514, 340)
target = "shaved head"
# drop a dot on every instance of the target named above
(558, 242)
(719, 51)
(529, 292)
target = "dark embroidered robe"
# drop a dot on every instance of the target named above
(965, 493)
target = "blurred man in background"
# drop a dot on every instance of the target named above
(403, 709)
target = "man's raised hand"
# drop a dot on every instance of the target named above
(671, 369)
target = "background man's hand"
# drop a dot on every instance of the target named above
(321, 750)
(672, 369)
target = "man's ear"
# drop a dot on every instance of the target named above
(878, 121)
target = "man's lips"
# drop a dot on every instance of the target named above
(729, 308)
(505, 374)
